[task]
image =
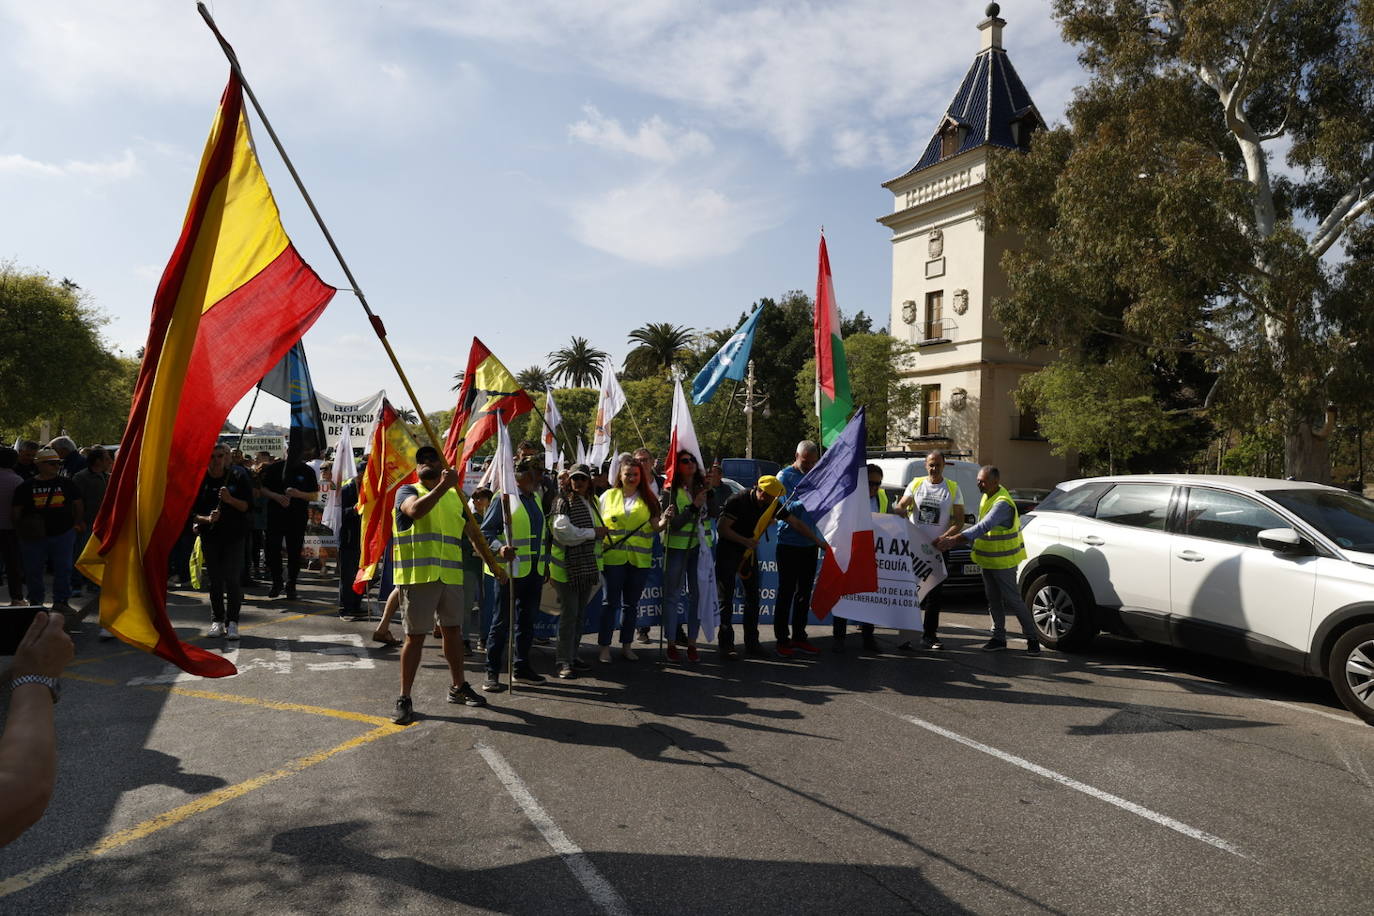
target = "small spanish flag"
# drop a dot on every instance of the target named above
(390, 465)
(488, 391)
(234, 298)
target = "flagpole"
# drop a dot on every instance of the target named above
(510, 592)
(244, 429)
(720, 427)
(474, 532)
(545, 420)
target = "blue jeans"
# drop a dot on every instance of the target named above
(676, 562)
(1000, 585)
(527, 591)
(56, 550)
(624, 584)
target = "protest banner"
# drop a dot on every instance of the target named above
(909, 566)
(251, 444)
(359, 416)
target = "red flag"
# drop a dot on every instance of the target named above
(488, 391)
(390, 466)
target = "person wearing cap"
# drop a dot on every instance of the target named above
(574, 563)
(524, 545)
(740, 532)
(426, 555)
(48, 514)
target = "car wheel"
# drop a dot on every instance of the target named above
(1351, 669)
(1063, 615)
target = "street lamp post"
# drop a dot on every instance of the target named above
(750, 399)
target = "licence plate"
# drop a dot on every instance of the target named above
(972, 569)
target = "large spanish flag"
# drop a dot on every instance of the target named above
(489, 391)
(234, 298)
(390, 465)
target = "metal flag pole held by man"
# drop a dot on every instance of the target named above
(473, 530)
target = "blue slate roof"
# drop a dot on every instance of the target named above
(989, 102)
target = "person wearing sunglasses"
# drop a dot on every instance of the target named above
(686, 507)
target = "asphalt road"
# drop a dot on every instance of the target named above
(1131, 779)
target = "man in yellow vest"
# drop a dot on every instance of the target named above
(426, 549)
(998, 549)
(526, 544)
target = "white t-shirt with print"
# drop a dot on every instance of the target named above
(932, 504)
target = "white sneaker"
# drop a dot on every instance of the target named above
(216, 629)
(231, 631)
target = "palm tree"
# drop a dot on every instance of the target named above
(579, 364)
(534, 378)
(660, 345)
(407, 415)
(457, 380)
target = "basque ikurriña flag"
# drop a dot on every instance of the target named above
(835, 493)
(833, 398)
(234, 298)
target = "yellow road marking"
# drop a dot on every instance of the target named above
(247, 626)
(171, 818)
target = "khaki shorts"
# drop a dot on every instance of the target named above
(421, 603)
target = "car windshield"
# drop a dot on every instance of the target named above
(1346, 519)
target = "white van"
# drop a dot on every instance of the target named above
(902, 470)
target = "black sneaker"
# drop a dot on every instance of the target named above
(528, 676)
(405, 712)
(932, 644)
(275, 591)
(492, 684)
(871, 646)
(906, 647)
(566, 672)
(994, 645)
(579, 665)
(291, 593)
(1032, 647)
(464, 694)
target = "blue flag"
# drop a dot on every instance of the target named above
(290, 381)
(729, 362)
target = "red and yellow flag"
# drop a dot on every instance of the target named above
(488, 391)
(390, 465)
(234, 298)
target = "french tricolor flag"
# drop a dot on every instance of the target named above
(835, 494)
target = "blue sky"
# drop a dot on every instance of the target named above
(522, 171)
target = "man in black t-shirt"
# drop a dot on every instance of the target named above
(290, 487)
(735, 558)
(48, 513)
(221, 519)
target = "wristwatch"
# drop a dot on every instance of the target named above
(49, 682)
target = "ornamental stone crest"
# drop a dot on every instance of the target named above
(909, 311)
(960, 301)
(937, 243)
(958, 399)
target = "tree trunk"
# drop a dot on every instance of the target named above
(1306, 455)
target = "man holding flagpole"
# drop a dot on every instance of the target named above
(426, 551)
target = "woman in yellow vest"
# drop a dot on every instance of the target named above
(630, 513)
(685, 507)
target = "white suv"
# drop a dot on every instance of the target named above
(1278, 573)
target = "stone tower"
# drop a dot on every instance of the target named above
(946, 272)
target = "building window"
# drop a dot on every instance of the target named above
(930, 411)
(1028, 424)
(935, 315)
(950, 139)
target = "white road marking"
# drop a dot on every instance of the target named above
(1215, 688)
(1162, 819)
(351, 645)
(603, 894)
(349, 654)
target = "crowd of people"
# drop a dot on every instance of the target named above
(582, 532)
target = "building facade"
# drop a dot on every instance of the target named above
(946, 273)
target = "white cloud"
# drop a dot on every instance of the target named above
(665, 224)
(794, 70)
(125, 166)
(656, 140)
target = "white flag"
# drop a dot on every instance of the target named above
(611, 403)
(503, 480)
(345, 469)
(683, 437)
(708, 600)
(552, 453)
(582, 452)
